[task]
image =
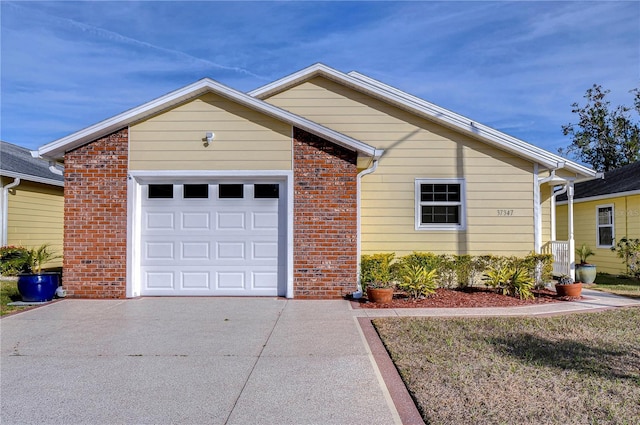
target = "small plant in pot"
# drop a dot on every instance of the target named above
(566, 287)
(376, 275)
(35, 285)
(585, 272)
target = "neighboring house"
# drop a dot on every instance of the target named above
(605, 210)
(31, 201)
(211, 191)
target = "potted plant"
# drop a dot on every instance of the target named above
(35, 285)
(585, 272)
(568, 288)
(377, 277)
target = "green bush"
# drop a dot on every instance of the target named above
(13, 260)
(377, 270)
(417, 280)
(460, 271)
(511, 281)
(629, 250)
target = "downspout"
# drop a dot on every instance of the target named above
(5, 209)
(376, 156)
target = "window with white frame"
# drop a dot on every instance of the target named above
(604, 226)
(440, 204)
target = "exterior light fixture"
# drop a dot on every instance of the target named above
(209, 138)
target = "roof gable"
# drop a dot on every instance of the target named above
(621, 180)
(17, 162)
(427, 110)
(57, 148)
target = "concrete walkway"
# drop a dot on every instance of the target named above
(213, 361)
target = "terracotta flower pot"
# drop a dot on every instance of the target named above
(380, 295)
(571, 290)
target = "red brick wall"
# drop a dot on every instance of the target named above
(325, 218)
(95, 218)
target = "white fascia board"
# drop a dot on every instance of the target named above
(57, 148)
(502, 140)
(601, 197)
(35, 179)
(426, 109)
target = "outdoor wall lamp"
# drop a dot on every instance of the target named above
(209, 138)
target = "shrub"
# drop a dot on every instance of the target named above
(377, 270)
(12, 260)
(629, 250)
(519, 284)
(417, 280)
(511, 281)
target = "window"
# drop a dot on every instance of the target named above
(440, 204)
(160, 191)
(230, 191)
(266, 190)
(604, 225)
(194, 191)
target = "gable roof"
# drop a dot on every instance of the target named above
(57, 148)
(623, 180)
(17, 162)
(426, 110)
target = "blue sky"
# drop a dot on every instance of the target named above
(515, 66)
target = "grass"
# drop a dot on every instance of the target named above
(574, 369)
(8, 293)
(625, 286)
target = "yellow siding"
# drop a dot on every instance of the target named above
(626, 223)
(35, 217)
(418, 148)
(244, 139)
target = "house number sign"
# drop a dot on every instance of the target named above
(505, 213)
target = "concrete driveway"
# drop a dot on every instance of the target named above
(189, 361)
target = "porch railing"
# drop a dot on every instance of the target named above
(560, 252)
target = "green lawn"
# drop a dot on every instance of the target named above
(627, 287)
(572, 369)
(8, 293)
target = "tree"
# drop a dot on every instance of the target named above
(603, 138)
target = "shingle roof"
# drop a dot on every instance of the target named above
(623, 179)
(16, 161)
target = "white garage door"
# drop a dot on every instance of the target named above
(210, 239)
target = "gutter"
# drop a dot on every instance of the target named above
(376, 157)
(5, 209)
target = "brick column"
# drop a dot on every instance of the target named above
(325, 218)
(95, 218)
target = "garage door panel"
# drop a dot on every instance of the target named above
(195, 280)
(264, 251)
(264, 221)
(196, 220)
(156, 220)
(210, 246)
(159, 250)
(195, 250)
(230, 250)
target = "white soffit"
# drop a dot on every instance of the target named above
(427, 110)
(57, 148)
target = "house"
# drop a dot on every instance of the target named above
(211, 191)
(605, 210)
(31, 201)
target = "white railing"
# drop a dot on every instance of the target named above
(560, 252)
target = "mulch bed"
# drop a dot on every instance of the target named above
(462, 298)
